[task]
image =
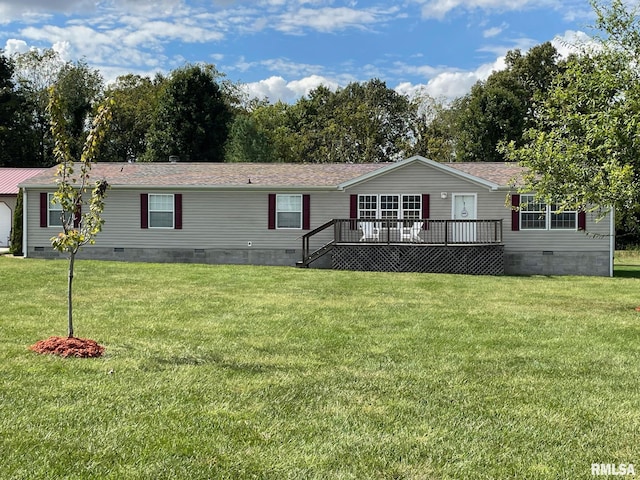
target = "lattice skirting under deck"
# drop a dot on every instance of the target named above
(470, 260)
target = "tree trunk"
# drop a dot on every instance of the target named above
(72, 259)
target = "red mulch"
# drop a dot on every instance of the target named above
(69, 347)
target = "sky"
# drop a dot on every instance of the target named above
(282, 49)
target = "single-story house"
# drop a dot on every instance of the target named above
(9, 180)
(411, 215)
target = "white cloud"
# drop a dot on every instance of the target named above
(325, 19)
(14, 45)
(449, 84)
(277, 88)
(12, 10)
(438, 9)
(305, 85)
(64, 50)
(573, 41)
(522, 44)
(494, 31)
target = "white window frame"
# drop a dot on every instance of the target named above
(411, 213)
(172, 211)
(53, 207)
(279, 209)
(555, 215)
(368, 206)
(548, 211)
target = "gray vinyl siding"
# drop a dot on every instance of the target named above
(595, 238)
(230, 219)
(210, 219)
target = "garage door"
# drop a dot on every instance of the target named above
(5, 224)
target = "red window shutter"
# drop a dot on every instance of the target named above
(44, 209)
(353, 207)
(144, 210)
(515, 212)
(272, 211)
(582, 220)
(426, 208)
(177, 205)
(353, 211)
(306, 212)
(77, 216)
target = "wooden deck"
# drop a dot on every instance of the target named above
(421, 245)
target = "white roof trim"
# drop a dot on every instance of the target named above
(417, 158)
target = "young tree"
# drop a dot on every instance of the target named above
(78, 227)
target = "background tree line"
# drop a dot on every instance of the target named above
(196, 113)
(574, 122)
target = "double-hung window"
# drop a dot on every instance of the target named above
(537, 215)
(367, 206)
(411, 207)
(389, 207)
(562, 220)
(161, 210)
(289, 211)
(54, 212)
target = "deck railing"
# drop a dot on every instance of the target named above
(421, 231)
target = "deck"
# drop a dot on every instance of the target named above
(421, 245)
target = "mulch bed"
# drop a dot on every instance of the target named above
(69, 347)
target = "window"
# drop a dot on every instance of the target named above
(54, 212)
(289, 211)
(161, 210)
(533, 215)
(392, 207)
(389, 207)
(536, 215)
(562, 220)
(368, 206)
(411, 207)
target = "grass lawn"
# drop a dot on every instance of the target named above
(283, 373)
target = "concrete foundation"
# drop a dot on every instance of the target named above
(515, 263)
(557, 263)
(155, 255)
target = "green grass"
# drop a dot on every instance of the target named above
(283, 373)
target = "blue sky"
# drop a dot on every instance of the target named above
(283, 48)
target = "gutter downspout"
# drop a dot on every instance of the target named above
(24, 223)
(612, 241)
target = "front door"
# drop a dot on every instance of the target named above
(464, 208)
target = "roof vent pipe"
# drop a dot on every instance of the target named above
(173, 159)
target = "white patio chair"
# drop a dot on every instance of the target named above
(413, 235)
(369, 231)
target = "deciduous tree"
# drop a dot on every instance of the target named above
(584, 151)
(193, 117)
(81, 199)
(135, 100)
(501, 108)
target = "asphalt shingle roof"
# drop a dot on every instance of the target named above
(258, 174)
